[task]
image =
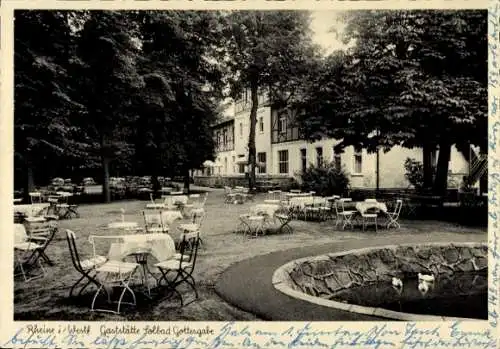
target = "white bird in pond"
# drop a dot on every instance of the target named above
(396, 282)
(423, 287)
(425, 277)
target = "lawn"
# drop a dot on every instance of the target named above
(47, 298)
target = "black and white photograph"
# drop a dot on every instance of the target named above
(250, 165)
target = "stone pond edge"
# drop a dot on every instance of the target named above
(279, 281)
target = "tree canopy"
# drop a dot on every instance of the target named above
(267, 52)
(411, 78)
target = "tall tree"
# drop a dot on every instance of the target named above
(178, 63)
(44, 104)
(267, 53)
(412, 78)
(108, 82)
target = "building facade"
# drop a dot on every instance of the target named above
(282, 152)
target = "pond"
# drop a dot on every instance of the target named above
(461, 295)
(383, 281)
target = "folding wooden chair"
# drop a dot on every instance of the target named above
(182, 268)
(394, 216)
(24, 251)
(284, 219)
(153, 222)
(342, 216)
(43, 236)
(87, 267)
(111, 274)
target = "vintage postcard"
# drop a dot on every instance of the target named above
(236, 174)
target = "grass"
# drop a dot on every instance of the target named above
(47, 298)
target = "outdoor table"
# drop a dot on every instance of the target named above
(168, 217)
(166, 190)
(272, 201)
(155, 206)
(252, 224)
(127, 226)
(32, 210)
(180, 199)
(268, 209)
(364, 206)
(141, 246)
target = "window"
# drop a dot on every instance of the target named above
(283, 161)
(234, 164)
(217, 139)
(241, 168)
(358, 160)
(282, 124)
(337, 160)
(224, 136)
(241, 129)
(261, 159)
(303, 158)
(225, 165)
(261, 125)
(319, 156)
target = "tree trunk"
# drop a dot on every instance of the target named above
(251, 138)
(29, 184)
(156, 185)
(441, 181)
(187, 179)
(106, 194)
(428, 170)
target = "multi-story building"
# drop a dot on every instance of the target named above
(283, 152)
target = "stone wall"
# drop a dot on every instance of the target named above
(323, 276)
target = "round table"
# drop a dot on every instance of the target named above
(124, 225)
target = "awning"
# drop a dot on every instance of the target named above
(209, 163)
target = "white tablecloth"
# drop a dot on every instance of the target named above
(31, 210)
(160, 246)
(168, 217)
(183, 199)
(123, 225)
(269, 209)
(363, 206)
(301, 201)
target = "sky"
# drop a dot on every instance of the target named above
(322, 24)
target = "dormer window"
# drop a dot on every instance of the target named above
(282, 124)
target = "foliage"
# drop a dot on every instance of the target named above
(48, 140)
(183, 87)
(145, 97)
(412, 78)
(325, 180)
(266, 52)
(414, 173)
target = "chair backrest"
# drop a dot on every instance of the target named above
(153, 219)
(189, 248)
(20, 234)
(35, 197)
(198, 217)
(176, 192)
(183, 199)
(397, 209)
(73, 251)
(336, 205)
(169, 203)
